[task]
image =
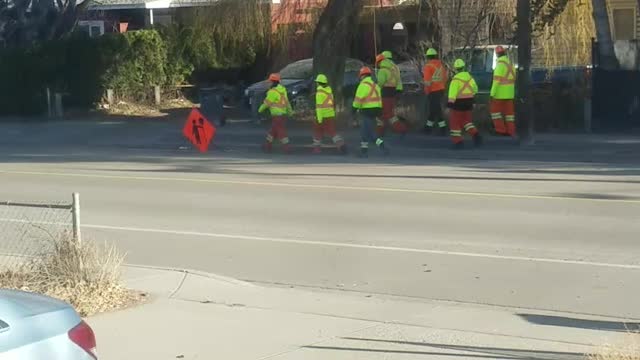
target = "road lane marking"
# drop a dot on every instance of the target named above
(327, 187)
(361, 246)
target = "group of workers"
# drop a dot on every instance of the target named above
(375, 104)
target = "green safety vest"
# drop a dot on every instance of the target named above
(504, 80)
(325, 104)
(277, 102)
(368, 95)
(462, 86)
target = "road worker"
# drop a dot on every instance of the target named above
(368, 104)
(390, 82)
(503, 91)
(277, 102)
(435, 80)
(325, 123)
(462, 91)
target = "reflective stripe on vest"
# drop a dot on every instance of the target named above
(510, 78)
(372, 96)
(437, 73)
(279, 105)
(466, 92)
(328, 102)
(392, 80)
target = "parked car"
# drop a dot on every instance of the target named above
(38, 327)
(411, 74)
(298, 78)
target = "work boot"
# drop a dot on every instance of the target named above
(316, 151)
(478, 140)
(457, 146)
(364, 153)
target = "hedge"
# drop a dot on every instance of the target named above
(83, 68)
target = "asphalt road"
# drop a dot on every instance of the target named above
(531, 234)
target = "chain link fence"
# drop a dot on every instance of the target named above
(28, 229)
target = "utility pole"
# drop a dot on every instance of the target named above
(524, 108)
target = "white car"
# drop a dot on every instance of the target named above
(37, 327)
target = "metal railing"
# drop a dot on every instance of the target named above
(29, 228)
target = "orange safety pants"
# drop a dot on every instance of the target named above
(459, 120)
(503, 116)
(389, 117)
(278, 131)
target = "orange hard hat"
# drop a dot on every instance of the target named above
(274, 77)
(365, 71)
(379, 58)
(499, 49)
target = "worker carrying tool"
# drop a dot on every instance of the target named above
(390, 82)
(503, 91)
(325, 124)
(277, 102)
(368, 105)
(435, 80)
(462, 91)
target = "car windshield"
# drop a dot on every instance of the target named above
(298, 70)
(303, 69)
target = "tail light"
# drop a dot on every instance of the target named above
(83, 336)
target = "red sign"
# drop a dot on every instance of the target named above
(199, 130)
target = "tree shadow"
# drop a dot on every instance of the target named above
(548, 320)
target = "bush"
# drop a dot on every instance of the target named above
(21, 84)
(139, 65)
(82, 274)
(629, 349)
(83, 68)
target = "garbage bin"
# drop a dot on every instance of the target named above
(212, 104)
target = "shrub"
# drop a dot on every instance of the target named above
(629, 349)
(82, 274)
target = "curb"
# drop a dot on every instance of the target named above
(204, 274)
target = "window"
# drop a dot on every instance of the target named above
(624, 24)
(93, 28)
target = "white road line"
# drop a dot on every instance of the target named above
(363, 246)
(326, 187)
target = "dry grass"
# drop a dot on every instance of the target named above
(629, 349)
(84, 275)
(123, 108)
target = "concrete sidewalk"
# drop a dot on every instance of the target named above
(246, 138)
(193, 315)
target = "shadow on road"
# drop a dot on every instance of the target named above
(562, 321)
(454, 351)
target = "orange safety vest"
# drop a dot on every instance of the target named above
(435, 75)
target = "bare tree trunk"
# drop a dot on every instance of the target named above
(524, 106)
(608, 59)
(332, 39)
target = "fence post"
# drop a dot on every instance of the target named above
(75, 210)
(156, 93)
(110, 96)
(59, 111)
(49, 104)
